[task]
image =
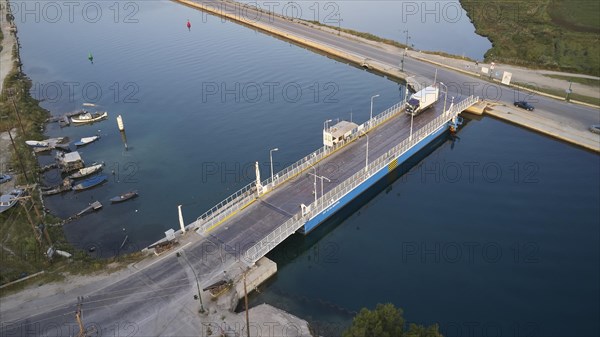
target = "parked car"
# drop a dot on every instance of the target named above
(595, 128)
(524, 105)
(5, 178)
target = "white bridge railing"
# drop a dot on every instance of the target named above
(244, 196)
(289, 227)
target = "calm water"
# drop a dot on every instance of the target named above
(496, 232)
(488, 240)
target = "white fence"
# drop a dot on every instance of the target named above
(289, 227)
(247, 194)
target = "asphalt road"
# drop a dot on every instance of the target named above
(459, 84)
(256, 221)
(157, 300)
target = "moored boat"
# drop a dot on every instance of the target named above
(86, 140)
(56, 190)
(89, 183)
(89, 117)
(86, 171)
(4, 178)
(45, 145)
(124, 197)
(9, 200)
(36, 143)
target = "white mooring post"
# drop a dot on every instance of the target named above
(181, 220)
(120, 123)
(258, 184)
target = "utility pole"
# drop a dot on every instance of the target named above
(37, 237)
(12, 99)
(246, 305)
(82, 331)
(12, 141)
(41, 220)
(79, 321)
(569, 91)
(181, 254)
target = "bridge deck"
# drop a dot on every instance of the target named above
(257, 220)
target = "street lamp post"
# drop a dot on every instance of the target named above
(445, 96)
(371, 115)
(179, 254)
(323, 177)
(367, 156)
(412, 116)
(320, 177)
(315, 182)
(405, 48)
(271, 159)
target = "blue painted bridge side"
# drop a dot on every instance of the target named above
(362, 187)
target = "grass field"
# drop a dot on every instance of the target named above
(581, 80)
(560, 93)
(372, 37)
(550, 34)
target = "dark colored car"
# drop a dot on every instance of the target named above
(524, 105)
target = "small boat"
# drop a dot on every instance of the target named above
(56, 190)
(86, 171)
(124, 197)
(4, 178)
(45, 145)
(37, 143)
(41, 149)
(89, 183)
(86, 140)
(64, 187)
(9, 200)
(89, 117)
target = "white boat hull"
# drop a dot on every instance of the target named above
(85, 119)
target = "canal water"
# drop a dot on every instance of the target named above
(494, 233)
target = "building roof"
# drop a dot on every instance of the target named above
(341, 128)
(71, 157)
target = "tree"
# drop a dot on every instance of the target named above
(386, 321)
(421, 331)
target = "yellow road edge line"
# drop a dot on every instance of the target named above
(295, 175)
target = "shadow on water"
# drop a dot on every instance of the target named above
(301, 243)
(329, 319)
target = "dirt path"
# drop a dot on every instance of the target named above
(9, 40)
(5, 156)
(6, 65)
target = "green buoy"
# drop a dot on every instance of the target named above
(91, 57)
